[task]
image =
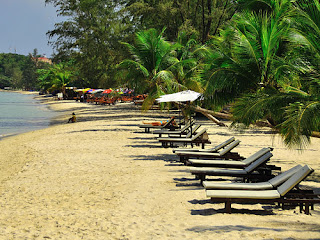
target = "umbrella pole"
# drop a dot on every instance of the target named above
(179, 115)
(188, 105)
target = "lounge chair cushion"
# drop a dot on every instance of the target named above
(178, 131)
(271, 184)
(183, 139)
(231, 172)
(282, 177)
(213, 149)
(237, 186)
(209, 154)
(244, 194)
(256, 155)
(218, 171)
(294, 180)
(218, 147)
(229, 147)
(229, 163)
(258, 162)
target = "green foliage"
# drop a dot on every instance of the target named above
(90, 35)
(55, 78)
(201, 19)
(301, 119)
(152, 68)
(17, 71)
(293, 104)
(246, 55)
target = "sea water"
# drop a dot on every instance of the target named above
(21, 113)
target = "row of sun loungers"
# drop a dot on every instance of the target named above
(259, 183)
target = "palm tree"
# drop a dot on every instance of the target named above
(187, 71)
(56, 77)
(151, 69)
(302, 117)
(292, 104)
(247, 54)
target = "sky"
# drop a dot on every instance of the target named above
(24, 24)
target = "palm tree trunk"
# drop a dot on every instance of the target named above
(315, 134)
(212, 115)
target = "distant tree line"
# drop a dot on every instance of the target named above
(19, 71)
(16, 71)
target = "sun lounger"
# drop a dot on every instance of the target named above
(167, 125)
(224, 153)
(229, 163)
(178, 132)
(270, 184)
(188, 135)
(248, 172)
(213, 149)
(200, 138)
(281, 195)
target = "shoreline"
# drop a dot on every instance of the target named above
(104, 178)
(39, 100)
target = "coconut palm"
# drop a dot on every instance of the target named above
(56, 77)
(187, 71)
(247, 54)
(302, 117)
(151, 69)
(293, 107)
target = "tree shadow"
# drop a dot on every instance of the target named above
(231, 228)
(142, 138)
(147, 145)
(211, 211)
(298, 227)
(158, 157)
(98, 130)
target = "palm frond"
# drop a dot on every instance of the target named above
(301, 120)
(134, 66)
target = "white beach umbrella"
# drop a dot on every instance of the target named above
(184, 96)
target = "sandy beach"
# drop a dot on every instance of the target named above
(104, 178)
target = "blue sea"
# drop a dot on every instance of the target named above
(21, 113)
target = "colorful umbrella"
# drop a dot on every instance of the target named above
(107, 91)
(90, 90)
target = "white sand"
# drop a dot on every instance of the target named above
(104, 178)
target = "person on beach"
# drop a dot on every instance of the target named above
(73, 118)
(160, 123)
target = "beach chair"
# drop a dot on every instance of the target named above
(270, 184)
(200, 138)
(224, 153)
(212, 149)
(188, 135)
(228, 163)
(167, 125)
(281, 195)
(177, 132)
(250, 172)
